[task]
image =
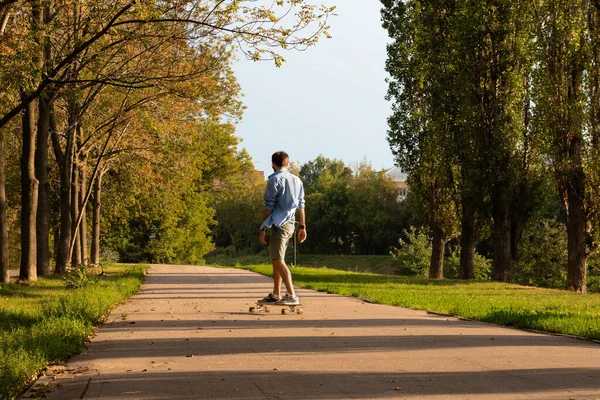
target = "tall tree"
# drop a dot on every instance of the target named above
(500, 65)
(560, 101)
(423, 75)
(593, 159)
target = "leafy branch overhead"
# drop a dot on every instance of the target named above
(260, 32)
(124, 92)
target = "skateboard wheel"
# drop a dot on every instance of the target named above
(299, 311)
(252, 309)
(267, 310)
(285, 311)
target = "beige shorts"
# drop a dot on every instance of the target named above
(279, 240)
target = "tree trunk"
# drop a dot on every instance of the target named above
(83, 225)
(41, 167)
(45, 108)
(96, 203)
(62, 255)
(467, 243)
(519, 220)
(76, 256)
(436, 266)
(56, 236)
(29, 198)
(576, 222)
(502, 265)
(65, 162)
(4, 264)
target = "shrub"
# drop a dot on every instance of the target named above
(543, 255)
(481, 266)
(412, 256)
(78, 278)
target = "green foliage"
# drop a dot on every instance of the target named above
(239, 206)
(425, 117)
(350, 213)
(327, 217)
(79, 277)
(318, 174)
(45, 322)
(461, 107)
(170, 211)
(186, 240)
(543, 256)
(326, 185)
(547, 310)
(376, 216)
(412, 256)
(481, 266)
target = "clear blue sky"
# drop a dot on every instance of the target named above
(327, 100)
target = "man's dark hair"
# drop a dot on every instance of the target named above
(279, 158)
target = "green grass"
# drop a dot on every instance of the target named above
(375, 264)
(548, 310)
(44, 322)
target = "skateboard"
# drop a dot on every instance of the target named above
(293, 308)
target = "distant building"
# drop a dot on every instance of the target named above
(399, 179)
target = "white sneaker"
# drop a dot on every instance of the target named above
(289, 300)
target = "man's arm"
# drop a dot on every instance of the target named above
(266, 214)
(262, 238)
(302, 229)
(269, 198)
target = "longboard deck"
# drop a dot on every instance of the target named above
(294, 308)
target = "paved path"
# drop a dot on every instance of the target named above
(188, 335)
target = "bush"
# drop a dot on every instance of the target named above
(413, 255)
(78, 278)
(543, 255)
(108, 255)
(481, 266)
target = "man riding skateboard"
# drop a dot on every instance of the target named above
(283, 195)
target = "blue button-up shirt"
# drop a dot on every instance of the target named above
(283, 195)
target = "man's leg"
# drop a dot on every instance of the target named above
(276, 280)
(284, 275)
(281, 272)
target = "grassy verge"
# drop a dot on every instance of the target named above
(548, 310)
(44, 322)
(371, 264)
